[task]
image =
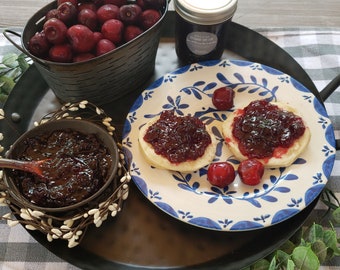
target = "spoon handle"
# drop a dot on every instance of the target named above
(29, 166)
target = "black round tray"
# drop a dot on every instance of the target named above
(142, 236)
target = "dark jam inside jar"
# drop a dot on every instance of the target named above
(206, 41)
(177, 138)
(76, 168)
(262, 127)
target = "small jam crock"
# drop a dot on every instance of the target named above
(79, 125)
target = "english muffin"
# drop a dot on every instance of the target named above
(179, 143)
(272, 132)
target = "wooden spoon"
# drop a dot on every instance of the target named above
(34, 166)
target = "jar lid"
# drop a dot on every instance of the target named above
(205, 12)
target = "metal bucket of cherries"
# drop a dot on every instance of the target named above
(97, 50)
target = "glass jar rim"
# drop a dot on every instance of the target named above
(205, 12)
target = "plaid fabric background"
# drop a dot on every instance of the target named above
(316, 50)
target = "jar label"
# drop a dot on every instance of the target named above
(201, 43)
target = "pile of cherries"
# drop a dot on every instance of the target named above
(78, 30)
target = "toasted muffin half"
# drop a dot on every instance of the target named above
(282, 156)
(162, 162)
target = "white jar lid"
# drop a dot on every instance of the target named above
(206, 12)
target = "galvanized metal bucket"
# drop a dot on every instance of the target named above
(102, 79)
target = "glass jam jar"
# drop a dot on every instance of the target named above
(200, 28)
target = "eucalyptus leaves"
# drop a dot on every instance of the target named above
(310, 246)
(12, 66)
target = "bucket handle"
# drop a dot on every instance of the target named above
(8, 32)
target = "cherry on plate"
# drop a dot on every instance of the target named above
(223, 98)
(221, 174)
(251, 171)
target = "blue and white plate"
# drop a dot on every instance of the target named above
(189, 197)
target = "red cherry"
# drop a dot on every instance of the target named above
(107, 12)
(251, 171)
(113, 30)
(221, 174)
(131, 32)
(81, 38)
(97, 36)
(53, 13)
(67, 13)
(223, 98)
(88, 18)
(38, 44)
(147, 4)
(55, 31)
(130, 13)
(61, 53)
(104, 46)
(87, 5)
(149, 17)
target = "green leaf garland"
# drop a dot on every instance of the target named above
(12, 66)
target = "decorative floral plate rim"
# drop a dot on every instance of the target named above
(189, 197)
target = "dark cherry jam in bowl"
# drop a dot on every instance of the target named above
(82, 161)
(262, 127)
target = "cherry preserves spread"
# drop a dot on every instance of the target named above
(177, 138)
(77, 166)
(262, 127)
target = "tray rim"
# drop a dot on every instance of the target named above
(39, 88)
